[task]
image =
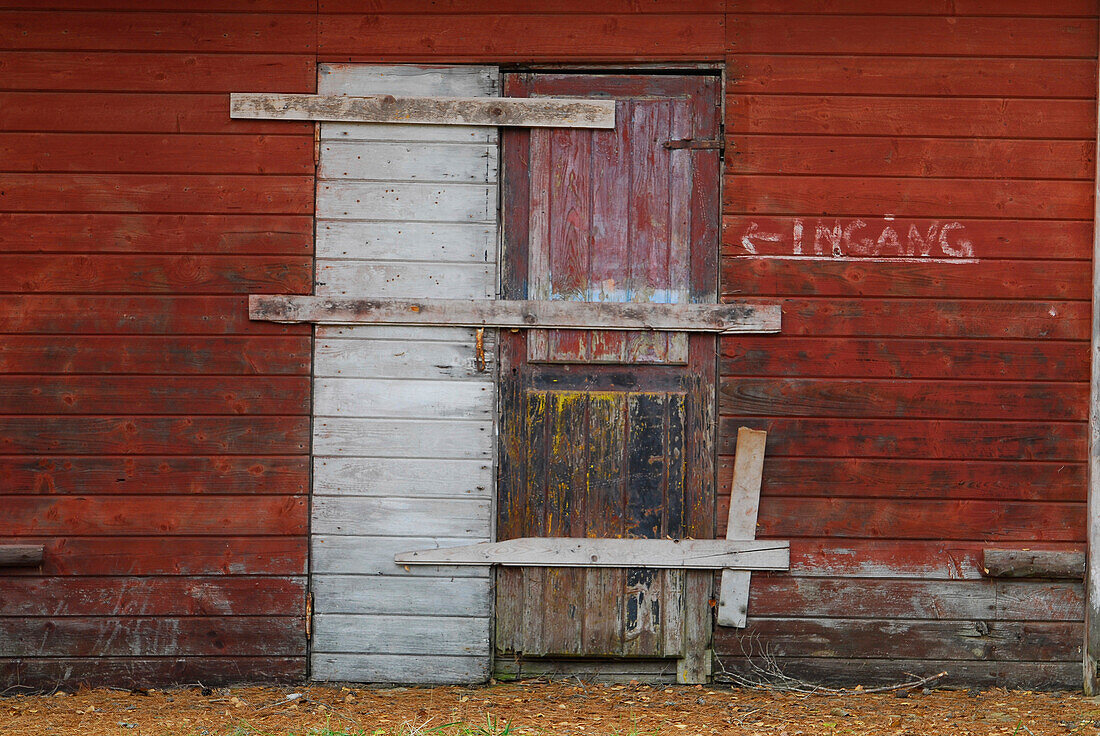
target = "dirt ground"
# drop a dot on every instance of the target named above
(543, 708)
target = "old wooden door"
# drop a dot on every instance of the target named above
(609, 434)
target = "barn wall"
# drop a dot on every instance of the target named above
(919, 407)
(155, 440)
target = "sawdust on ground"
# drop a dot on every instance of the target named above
(543, 708)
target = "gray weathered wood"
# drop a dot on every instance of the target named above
(21, 555)
(1091, 649)
(385, 108)
(344, 555)
(418, 201)
(378, 515)
(382, 634)
(426, 438)
(343, 78)
(404, 280)
(400, 668)
(416, 399)
(408, 161)
(405, 596)
(427, 242)
(748, 472)
(364, 358)
(720, 318)
(698, 554)
(1019, 563)
(414, 477)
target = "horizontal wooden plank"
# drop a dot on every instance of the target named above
(913, 35)
(450, 202)
(899, 639)
(359, 358)
(924, 519)
(146, 636)
(340, 78)
(961, 117)
(408, 161)
(152, 234)
(1025, 563)
(964, 318)
(784, 73)
(1059, 8)
(977, 158)
(411, 438)
(44, 355)
(905, 398)
(399, 668)
(434, 242)
(167, 193)
(144, 153)
(334, 555)
(871, 672)
(926, 197)
(136, 274)
(132, 315)
(914, 438)
(409, 477)
(389, 108)
(825, 357)
(1000, 239)
(159, 554)
(724, 318)
(170, 475)
(413, 635)
(400, 399)
(431, 335)
(254, 395)
(131, 112)
(153, 72)
(41, 673)
(915, 599)
(1005, 480)
(21, 555)
(160, 596)
(144, 435)
(510, 37)
(154, 514)
(694, 554)
(192, 32)
(403, 280)
(575, 7)
(399, 516)
(398, 133)
(385, 595)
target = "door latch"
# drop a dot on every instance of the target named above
(697, 144)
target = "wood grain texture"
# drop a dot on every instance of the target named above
(1010, 563)
(21, 555)
(744, 508)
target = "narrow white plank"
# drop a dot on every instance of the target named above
(434, 242)
(402, 438)
(399, 280)
(357, 358)
(407, 201)
(748, 469)
(403, 517)
(409, 133)
(407, 79)
(331, 555)
(431, 162)
(378, 594)
(402, 476)
(402, 399)
(398, 332)
(399, 668)
(436, 635)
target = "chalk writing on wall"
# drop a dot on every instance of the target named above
(857, 238)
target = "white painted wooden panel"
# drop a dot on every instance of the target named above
(434, 242)
(401, 517)
(449, 635)
(400, 359)
(409, 477)
(374, 556)
(355, 200)
(400, 668)
(398, 398)
(442, 438)
(404, 133)
(409, 161)
(399, 280)
(409, 80)
(397, 332)
(380, 594)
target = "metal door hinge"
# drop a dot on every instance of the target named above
(695, 144)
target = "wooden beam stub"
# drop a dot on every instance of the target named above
(748, 473)
(506, 111)
(1017, 563)
(692, 554)
(21, 555)
(720, 318)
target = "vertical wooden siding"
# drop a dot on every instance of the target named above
(918, 407)
(151, 437)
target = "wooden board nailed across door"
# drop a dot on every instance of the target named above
(609, 434)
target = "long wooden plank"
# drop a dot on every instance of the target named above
(1022, 563)
(496, 111)
(1091, 649)
(21, 555)
(721, 318)
(43, 673)
(744, 505)
(694, 554)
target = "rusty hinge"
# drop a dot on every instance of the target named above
(309, 616)
(695, 144)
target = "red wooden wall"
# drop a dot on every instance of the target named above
(157, 442)
(150, 435)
